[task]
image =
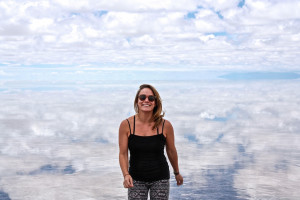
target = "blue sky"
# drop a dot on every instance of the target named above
(53, 36)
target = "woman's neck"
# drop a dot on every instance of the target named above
(145, 117)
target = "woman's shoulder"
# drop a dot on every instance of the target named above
(167, 125)
(166, 122)
(125, 121)
(130, 118)
(125, 125)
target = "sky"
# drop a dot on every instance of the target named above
(60, 39)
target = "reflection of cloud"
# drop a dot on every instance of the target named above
(86, 169)
(53, 169)
(4, 196)
(206, 115)
(242, 132)
(258, 124)
(3, 73)
(84, 186)
(259, 179)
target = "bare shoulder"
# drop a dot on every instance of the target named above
(168, 128)
(168, 124)
(124, 126)
(125, 121)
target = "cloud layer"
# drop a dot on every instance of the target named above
(252, 35)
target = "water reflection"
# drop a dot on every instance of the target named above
(236, 140)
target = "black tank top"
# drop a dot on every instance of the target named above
(147, 160)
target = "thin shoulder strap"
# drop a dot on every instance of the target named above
(133, 124)
(129, 126)
(162, 131)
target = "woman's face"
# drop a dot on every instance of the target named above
(146, 105)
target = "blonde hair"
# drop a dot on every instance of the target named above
(158, 113)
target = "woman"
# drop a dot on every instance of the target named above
(145, 134)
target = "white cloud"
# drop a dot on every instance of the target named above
(280, 10)
(219, 4)
(260, 35)
(129, 5)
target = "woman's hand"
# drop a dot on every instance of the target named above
(128, 182)
(179, 179)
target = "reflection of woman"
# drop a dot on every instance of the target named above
(145, 135)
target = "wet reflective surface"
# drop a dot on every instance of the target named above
(235, 139)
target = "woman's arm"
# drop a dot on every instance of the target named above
(123, 153)
(172, 152)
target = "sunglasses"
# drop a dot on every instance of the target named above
(143, 97)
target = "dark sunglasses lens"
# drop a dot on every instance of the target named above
(151, 98)
(142, 97)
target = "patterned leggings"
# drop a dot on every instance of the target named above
(159, 190)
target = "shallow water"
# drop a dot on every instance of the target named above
(235, 139)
